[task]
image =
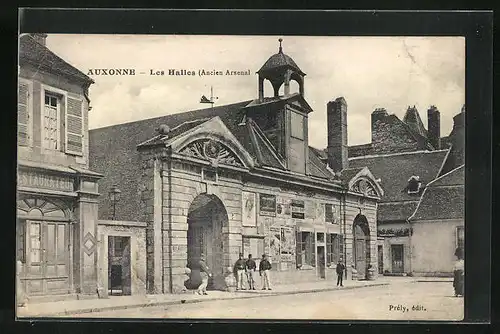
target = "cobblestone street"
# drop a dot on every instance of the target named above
(398, 301)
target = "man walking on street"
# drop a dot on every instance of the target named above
(239, 269)
(205, 273)
(264, 269)
(340, 272)
(250, 266)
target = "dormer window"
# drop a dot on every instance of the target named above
(414, 185)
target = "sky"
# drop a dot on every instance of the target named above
(369, 72)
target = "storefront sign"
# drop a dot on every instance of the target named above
(249, 209)
(44, 181)
(267, 205)
(297, 209)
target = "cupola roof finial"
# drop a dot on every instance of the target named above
(281, 48)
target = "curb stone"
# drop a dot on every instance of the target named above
(193, 301)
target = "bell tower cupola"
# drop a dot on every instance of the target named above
(280, 69)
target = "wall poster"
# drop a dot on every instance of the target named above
(283, 206)
(287, 249)
(267, 205)
(310, 209)
(320, 213)
(249, 209)
(274, 244)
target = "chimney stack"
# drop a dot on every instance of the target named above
(377, 115)
(337, 134)
(434, 127)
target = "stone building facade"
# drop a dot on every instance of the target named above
(243, 178)
(406, 157)
(56, 191)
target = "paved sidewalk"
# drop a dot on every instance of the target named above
(67, 308)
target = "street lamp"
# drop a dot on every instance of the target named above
(114, 197)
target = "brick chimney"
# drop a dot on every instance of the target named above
(378, 115)
(337, 134)
(434, 127)
(40, 38)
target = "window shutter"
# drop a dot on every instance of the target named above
(298, 251)
(74, 126)
(23, 115)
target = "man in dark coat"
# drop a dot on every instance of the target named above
(250, 268)
(239, 269)
(340, 272)
(264, 270)
(205, 273)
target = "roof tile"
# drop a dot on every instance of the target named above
(36, 54)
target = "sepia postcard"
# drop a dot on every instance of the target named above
(240, 177)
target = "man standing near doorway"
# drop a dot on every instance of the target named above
(264, 269)
(340, 272)
(205, 273)
(239, 269)
(250, 266)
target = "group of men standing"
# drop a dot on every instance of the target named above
(247, 268)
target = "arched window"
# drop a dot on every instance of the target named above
(36, 207)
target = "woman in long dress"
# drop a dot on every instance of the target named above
(458, 277)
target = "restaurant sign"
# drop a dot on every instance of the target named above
(44, 181)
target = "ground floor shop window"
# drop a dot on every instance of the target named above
(305, 250)
(334, 248)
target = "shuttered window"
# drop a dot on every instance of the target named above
(23, 114)
(74, 126)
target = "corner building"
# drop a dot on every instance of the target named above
(57, 193)
(242, 178)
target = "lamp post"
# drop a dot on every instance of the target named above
(114, 197)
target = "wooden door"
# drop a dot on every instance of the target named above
(195, 244)
(47, 258)
(360, 254)
(360, 250)
(397, 258)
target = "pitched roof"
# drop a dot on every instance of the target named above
(347, 174)
(399, 211)
(38, 55)
(247, 133)
(359, 150)
(444, 198)
(317, 167)
(394, 170)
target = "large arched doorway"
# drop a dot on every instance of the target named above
(361, 245)
(206, 217)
